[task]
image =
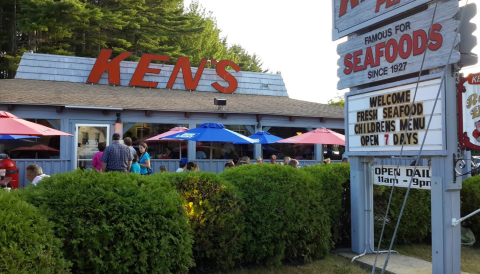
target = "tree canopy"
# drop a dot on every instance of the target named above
(339, 100)
(84, 27)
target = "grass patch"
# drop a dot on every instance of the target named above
(469, 262)
(331, 264)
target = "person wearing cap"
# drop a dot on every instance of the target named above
(259, 160)
(117, 156)
(183, 164)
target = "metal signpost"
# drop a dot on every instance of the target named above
(401, 62)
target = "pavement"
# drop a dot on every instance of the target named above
(397, 264)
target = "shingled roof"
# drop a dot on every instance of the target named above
(36, 92)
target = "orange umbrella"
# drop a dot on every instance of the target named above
(12, 125)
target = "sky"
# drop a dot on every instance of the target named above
(291, 37)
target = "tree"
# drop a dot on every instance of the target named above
(339, 100)
(244, 60)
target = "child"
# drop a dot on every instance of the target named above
(163, 169)
(135, 166)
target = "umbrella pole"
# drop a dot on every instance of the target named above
(211, 144)
(180, 149)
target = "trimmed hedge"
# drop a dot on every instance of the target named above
(284, 214)
(27, 241)
(115, 222)
(214, 209)
(470, 197)
(331, 179)
(415, 226)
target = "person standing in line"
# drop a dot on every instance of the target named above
(286, 160)
(96, 163)
(293, 163)
(273, 159)
(128, 142)
(135, 166)
(183, 165)
(144, 158)
(117, 156)
(35, 174)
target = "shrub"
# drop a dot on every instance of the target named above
(115, 222)
(214, 210)
(415, 225)
(470, 197)
(331, 179)
(27, 241)
(284, 216)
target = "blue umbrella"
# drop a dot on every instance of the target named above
(211, 132)
(15, 137)
(262, 137)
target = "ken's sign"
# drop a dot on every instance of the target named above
(388, 175)
(378, 120)
(398, 48)
(352, 15)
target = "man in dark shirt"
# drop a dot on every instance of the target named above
(117, 156)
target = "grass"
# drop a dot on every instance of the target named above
(470, 261)
(332, 264)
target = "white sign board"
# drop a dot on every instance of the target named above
(385, 176)
(377, 120)
(398, 48)
(352, 15)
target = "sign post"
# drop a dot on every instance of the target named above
(395, 62)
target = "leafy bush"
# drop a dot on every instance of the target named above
(27, 241)
(214, 208)
(115, 222)
(415, 226)
(470, 197)
(331, 179)
(284, 216)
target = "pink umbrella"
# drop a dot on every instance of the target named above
(318, 136)
(37, 148)
(12, 125)
(174, 130)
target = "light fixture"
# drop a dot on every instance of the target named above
(220, 102)
(119, 125)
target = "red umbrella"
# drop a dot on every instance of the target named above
(174, 130)
(37, 148)
(12, 125)
(318, 136)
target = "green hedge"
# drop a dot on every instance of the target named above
(214, 209)
(470, 197)
(331, 179)
(116, 223)
(284, 214)
(415, 226)
(27, 241)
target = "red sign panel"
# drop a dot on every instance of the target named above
(469, 112)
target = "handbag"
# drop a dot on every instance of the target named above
(149, 169)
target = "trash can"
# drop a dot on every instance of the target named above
(11, 171)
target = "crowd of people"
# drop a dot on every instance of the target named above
(122, 157)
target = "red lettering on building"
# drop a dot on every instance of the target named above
(102, 65)
(113, 67)
(184, 64)
(142, 68)
(222, 72)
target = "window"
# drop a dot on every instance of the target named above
(45, 147)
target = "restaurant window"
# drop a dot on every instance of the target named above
(41, 147)
(157, 149)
